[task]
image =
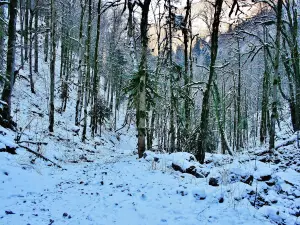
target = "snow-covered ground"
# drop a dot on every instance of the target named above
(102, 181)
(117, 189)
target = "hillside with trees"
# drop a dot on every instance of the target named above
(149, 112)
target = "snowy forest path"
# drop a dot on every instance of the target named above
(117, 189)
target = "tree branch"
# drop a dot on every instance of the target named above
(39, 155)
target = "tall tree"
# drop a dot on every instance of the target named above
(46, 39)
(291, 59)
(96, 76)
(80, 66)
(2, 35)
(88, 69)
(36, 36)
(10, 63)
(26, 34)
(274, 114)
(265, 93)
(32, 12)
(52, 65)
(142, 76)
(171, 71)
(203, 137)
(186, 30)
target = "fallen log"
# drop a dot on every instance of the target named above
(39, 155)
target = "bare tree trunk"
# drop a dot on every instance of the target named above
(291, 98)
(141, 106)
(2, 39)
(130, 5)
(10, 62)
(88, 69)
(295, 59)
(187, 103)
(28, 4)
(46, 40)
(96, 79)
(172, 100)
(221, 128)
(52, 66)
(80, 68)
(36, 37)
(238, 100)
(203, 139)
(30, 51)
(22, 32)
(265, 95)
(274, 114)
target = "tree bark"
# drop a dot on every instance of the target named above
(80, 68)
(203, 139)
(274, 114)
(36, 37)
(46, 40)
(217, 100)
(96, 79)
(238, 100)
(141, 106)
(10, 61)
(30, 51)
(187, 102)
(88, 69)
(52, 66)
(2, 34)
(265, 95)
(172, 98)
(26, 37)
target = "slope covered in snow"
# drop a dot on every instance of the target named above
(114, 187)
(102, 181)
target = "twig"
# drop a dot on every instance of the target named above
(33, 142)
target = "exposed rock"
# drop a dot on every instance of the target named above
(265, 178)
(256, 199)
(270, 183)
(247, 179)
(9, 150)
(276, 161)
(177, 168)
(192, 170)
(221, 200)
(213, 182)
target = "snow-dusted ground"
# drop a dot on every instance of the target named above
(103, 182)
(117, 189)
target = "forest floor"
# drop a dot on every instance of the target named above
(102, 181)
(111, 186)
